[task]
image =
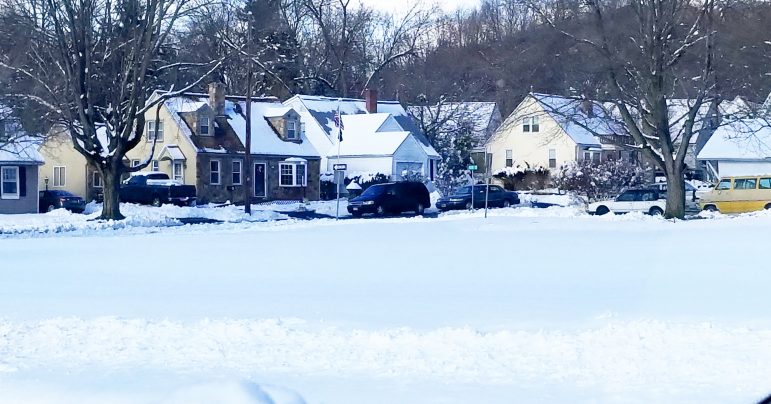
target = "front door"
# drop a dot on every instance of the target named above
(259, 180)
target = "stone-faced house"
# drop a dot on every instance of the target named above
(198, 139)
(398, 146)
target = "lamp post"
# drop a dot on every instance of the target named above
(46, 181)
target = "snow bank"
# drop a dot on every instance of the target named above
(233, 392)
(137, 216)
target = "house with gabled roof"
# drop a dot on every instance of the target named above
(378, 136)
(482, 118)
(740, 147)
(20, 164)
(544, 131)
(199, 139)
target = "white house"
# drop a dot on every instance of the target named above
(483, 118)
(742, 147)
(378, 136)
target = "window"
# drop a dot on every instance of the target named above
(628, 196)
(203, 126)
(134, 163)
(292, 175)
(155, 131)
(509, 158)
(236, 179)
(431, 168)
(744, 183)
(724, 184)
(596, 158)
(765, 183)
(96, 179)
(587, 156)
(291, 130)
(214, 172)
(60, 176)
(10, 182)
(531, 124)
(178, 172)
(552, 158)
(155, 165)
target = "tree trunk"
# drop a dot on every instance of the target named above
(675, 207)
(111, 204)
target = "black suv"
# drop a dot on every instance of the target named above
(391, 198)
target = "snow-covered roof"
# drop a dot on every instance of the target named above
(573, 116)
(276, 112)
(265, 140)
(21, 150)
(453, 114)
(172, 152)
(324, 109)
(362, 138)
(743, 139)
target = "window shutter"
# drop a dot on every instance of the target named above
(22, 181)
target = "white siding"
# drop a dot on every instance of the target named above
(411, 152)
(737, 168)
(373, 165)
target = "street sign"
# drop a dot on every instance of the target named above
(340, 167)
(472, 167)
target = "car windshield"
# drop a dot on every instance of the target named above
(374, 190)
(463, 190)
(61, 193)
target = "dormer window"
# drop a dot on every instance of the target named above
(203, 126)
(291, 130)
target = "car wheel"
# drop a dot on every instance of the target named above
(356, 214)
(380, 210)
(156, 201)
(50, 208)
(420, 209)
(656, 211)
(469, 206)
(712, 208)
(506, 203)
(602, 210)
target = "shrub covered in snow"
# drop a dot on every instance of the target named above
(521, 178)
(598, 180)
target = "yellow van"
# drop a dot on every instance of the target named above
(739, 195)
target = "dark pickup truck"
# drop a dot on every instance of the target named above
(155, 188)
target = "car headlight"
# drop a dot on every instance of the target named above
(368, 203)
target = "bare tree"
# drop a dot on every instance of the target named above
(640, 63)
(94, 64)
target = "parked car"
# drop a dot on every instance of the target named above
(391, 198)
(631, 200)
(691, 193)
(57, 199)
(461, 199)
(156, 188)
(739, 195)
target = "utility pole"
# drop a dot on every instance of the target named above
(248, 169)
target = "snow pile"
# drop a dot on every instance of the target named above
(233, 392)
(567, 199)
(137, 216)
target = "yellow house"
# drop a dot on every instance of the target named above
(549, 131)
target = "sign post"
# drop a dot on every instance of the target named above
(472, 168)
(339, 170)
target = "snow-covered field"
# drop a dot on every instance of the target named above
(526, 306)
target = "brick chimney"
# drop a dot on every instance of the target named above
(370, 99)
(217, 98)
